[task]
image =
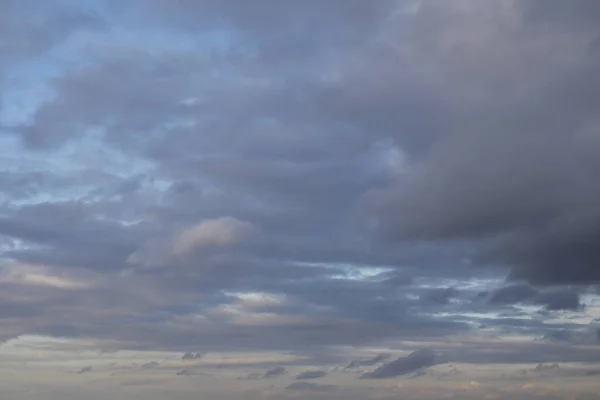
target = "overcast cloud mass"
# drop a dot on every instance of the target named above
(341, 199)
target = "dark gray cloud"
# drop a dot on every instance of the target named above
(561, 335)
(557, 371)
(274, 372)
(404, 365)
(369, 361)
(553, 300)
(85, 370)
(559, 300)
(313, 374)
(439, 297)
(512, 294)
(398, 278)
(270, 373)
(150, 365)
(518, 175)
(546, 367)
(184, 372)
(594, 372)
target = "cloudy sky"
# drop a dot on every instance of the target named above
(317, 199)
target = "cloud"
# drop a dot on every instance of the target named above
(191, 356)
(224, 231)
(546, 367)
(578, 12)
(184, 372)
(560, 300)
(311, 375)
(592, 373)
(53, 25)
(310, 386)
(560, 335)
(369, 361)
(223, 189)
(85, 370)
(40, 276)
(150, 365)
(552, 300)
(439, 297)
(512, 294)
(515, 179)
(274, 372)
(404, 365)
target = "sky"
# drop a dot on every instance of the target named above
(318, 199)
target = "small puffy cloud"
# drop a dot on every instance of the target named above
(219, 232)
(191, 356)
(310, 386)
(404, 365)
(274, 372)
(251, 376)
(268, 374)
(546, 367)
(184, 372)
(150, 365)
(311, 375)
(85, 370)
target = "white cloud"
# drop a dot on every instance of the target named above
(38, 275)
(219, 232)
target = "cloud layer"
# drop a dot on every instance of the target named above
(338, 183)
